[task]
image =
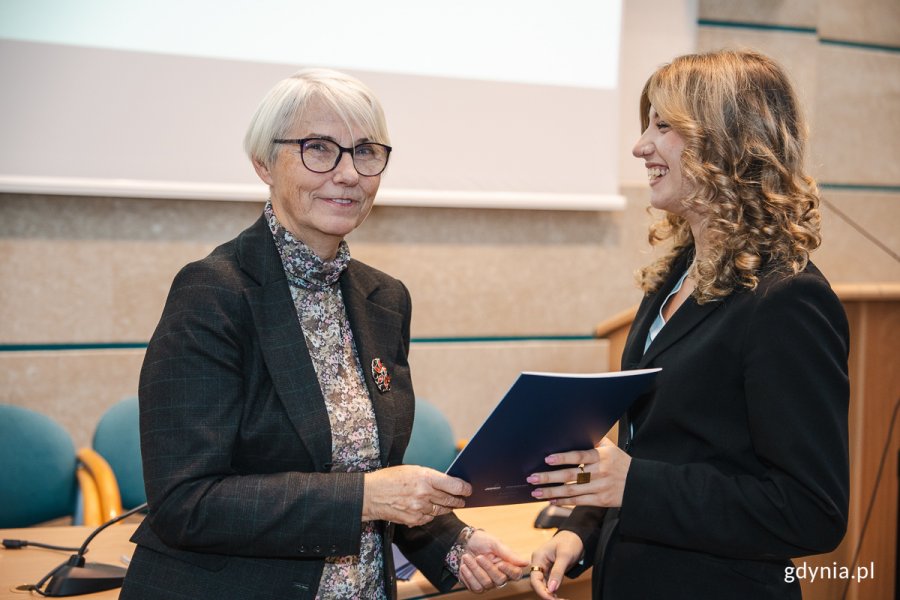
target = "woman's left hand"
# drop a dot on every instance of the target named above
(607, 465)
(488, 563)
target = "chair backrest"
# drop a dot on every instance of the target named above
(432, 443)
(37, 468)
(118, 440)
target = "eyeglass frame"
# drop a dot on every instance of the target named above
(301, 141)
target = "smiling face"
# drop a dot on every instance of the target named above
(320, 209)
(660, 147)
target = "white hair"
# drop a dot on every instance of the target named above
(284, 104)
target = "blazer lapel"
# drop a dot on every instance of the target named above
(686, 318)
(283, 344)
(376, 332)
(643, 319)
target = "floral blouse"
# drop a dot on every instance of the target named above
(354, 431)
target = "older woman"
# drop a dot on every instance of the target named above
(276, 400)
(738, 462)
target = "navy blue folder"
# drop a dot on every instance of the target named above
(542, 413)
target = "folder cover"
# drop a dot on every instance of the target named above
(542, 413)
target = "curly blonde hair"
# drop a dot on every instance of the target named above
(743, 160)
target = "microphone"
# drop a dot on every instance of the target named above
(75, 577)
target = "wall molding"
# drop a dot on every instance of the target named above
(757, 26)
(243, 192)
(860, 187)
(859, 45)
(798, 29)
(92, 346)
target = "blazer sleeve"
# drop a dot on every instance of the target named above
(427, 546)
(794, 351)
(194, 386)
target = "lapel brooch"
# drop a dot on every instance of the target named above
(381, 376)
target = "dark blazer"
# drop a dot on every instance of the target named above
(739, 457)
(236, 440)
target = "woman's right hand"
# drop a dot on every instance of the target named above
(411, 495)
(554, 558)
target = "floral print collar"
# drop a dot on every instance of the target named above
(302, 266)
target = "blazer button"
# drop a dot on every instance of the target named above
(334, 549)
(302, 549)
(317, 549)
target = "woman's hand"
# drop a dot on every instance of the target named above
(607, 465)
(488, 563)
(553, 559)
(411, 495)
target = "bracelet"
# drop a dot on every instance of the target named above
(453, 560)
(465, 535)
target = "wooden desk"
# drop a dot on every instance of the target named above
(512, 523)
(29, 565)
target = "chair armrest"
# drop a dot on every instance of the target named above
(105, 480)
(91, 511)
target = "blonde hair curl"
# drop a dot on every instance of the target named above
(743, 159)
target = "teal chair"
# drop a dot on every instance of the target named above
(432, 443)
(37, 469)
(117, 438)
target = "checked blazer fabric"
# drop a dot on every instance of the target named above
(236, 440)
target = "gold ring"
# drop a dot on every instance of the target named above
(583, 476)
(434, 509)
(537, 568)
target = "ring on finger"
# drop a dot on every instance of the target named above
(537, 568)
(503, 584)
(582, 476)
(434, 509)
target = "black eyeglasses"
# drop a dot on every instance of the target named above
(321, 155)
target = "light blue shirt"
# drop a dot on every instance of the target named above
(659, 322)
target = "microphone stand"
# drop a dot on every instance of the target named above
(75, 577)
